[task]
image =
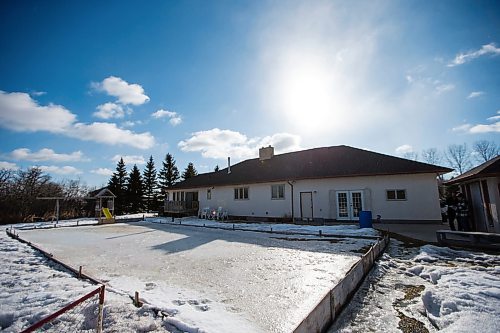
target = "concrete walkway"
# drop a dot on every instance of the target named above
(414, 231)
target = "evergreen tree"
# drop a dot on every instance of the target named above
(216, 168)
(150, 185)
(117, 185)
(135, 191)
(189, 172)
(168, 175)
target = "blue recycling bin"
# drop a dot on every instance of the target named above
(365, 219)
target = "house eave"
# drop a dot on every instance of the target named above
(277, 180)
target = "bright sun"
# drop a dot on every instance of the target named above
(306, 96)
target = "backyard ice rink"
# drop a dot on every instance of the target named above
(210, 280)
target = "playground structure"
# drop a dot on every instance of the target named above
(109, 210)
(104, 196)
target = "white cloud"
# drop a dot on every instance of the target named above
(444, 88)
(462, 128)
(102, 171)
(175, 121)
(46, 154)
(475, 94)
(109, 133)
(65, 170)
(109, 110)
(462, 58)
(175, 118)
(19, 112)
(482, 128)
(38, 93)
(404, 149)
(130, 159)
(219, 144)
(495, 118)
(128, 123)
(125, 92)
(8, 165)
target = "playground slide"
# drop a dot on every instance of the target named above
(107, 213)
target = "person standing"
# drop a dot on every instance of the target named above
(462, 213)
(451, 212)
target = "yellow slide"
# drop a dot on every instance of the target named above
(107, 213)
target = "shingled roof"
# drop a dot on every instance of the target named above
(317, 163)
(490, 168)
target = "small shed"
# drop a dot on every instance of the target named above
(481, 186)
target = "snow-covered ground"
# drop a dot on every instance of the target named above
(32, 287)
(207, 279)
(427, 289)
(214, 280)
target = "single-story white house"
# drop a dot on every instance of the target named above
(321, 185)
(481, 187)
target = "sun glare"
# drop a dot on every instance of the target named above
(306, 96)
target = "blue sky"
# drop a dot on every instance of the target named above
(85, 83)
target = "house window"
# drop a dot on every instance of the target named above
(278, 191)
(178, 196)
(396, 194)
(209, 194)
(241, 193)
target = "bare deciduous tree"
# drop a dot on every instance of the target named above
(458, 157)
(411, 155)
(431, 156)
(486, 150)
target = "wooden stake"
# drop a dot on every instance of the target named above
(80, 272)
(137, 303)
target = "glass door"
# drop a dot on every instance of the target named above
(349, 205)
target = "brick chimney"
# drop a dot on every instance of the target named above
(265, 153)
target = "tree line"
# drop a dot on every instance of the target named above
(136, 192)
(20, 190)
(459, 157)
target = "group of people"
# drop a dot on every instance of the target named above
(456, 208)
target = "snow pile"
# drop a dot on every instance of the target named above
(465, 289)
(432, 288)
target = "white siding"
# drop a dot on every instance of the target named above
(259, 201)
(422, 203)
(421, 191)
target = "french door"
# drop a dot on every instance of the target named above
(349, 204)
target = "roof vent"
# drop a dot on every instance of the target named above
(265, 153)
(228, 165)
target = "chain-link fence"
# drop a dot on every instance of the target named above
(83, 315)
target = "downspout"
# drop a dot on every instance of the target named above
(291, 186)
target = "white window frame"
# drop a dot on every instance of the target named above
(275, 192)
(239, 193)
(395, 194)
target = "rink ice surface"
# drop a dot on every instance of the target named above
(208, 279)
